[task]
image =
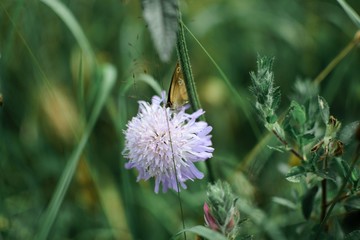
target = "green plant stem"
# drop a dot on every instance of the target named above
(176, 175)
(285, 143)
(186, 68)
(323, 199)
(324, 192)
(81, 87)
(352, 44)
(189, 80)
(341, 198)
(340, 192)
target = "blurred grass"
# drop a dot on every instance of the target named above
(42, 65)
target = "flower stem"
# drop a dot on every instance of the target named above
(176, 174)
(189, 80)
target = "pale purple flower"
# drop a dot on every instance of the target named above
(159, 138)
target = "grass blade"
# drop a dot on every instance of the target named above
(68, 18)
(350, 12)
(204, 232)
(109, 75)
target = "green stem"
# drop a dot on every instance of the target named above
(324, 191)
(189, 80)
(354, 42)
(340, 192)
(186, 68)
(285, 143)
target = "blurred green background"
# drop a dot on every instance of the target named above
(45, 109)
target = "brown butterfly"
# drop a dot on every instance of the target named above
(177, 96)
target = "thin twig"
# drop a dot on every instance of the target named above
(324, 190)
(341, 198)
(285, 143)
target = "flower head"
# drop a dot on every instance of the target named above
(160, 142)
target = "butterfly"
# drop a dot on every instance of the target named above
(177, 96)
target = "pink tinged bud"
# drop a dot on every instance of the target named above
(209, 219)
(234, 218)
(230, 225)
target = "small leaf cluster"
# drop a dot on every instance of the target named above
(316, 140)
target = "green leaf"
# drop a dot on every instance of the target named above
(355, 235)
(284, 202)
(326, 175)
(324, 109)
(348, 132)
(271, 119)
(162, 19)
(297, 112)
(295, 174)
(294, 123)
(350, 12)
(68, 18)
(204, 232)
(280, 148)
(306, 138)
(353, 202)
(354, 177)
(307, 202)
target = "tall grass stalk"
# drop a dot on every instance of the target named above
(190, 85)
(46, 222)
(68, 18)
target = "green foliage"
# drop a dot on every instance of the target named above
(314, 138)
(307, 203)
